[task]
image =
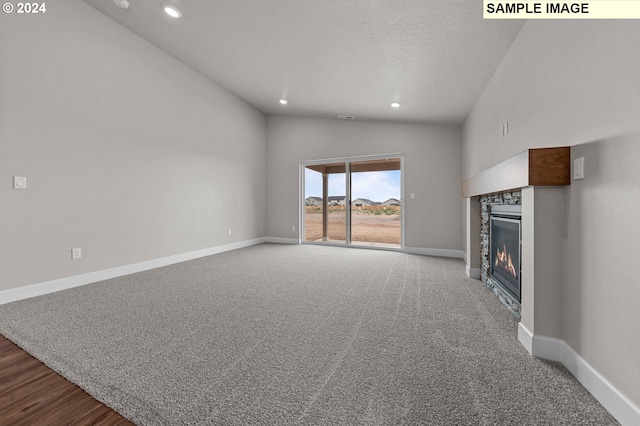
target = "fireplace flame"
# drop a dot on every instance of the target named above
(504, 262)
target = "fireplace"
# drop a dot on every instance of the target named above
(505, 248)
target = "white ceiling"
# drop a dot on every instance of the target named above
(333, 57)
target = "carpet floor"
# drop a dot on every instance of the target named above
(310, 335)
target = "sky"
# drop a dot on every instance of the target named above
(376, 186)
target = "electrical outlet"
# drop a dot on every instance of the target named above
(76, 253)
(504, 129)
(293, 229)
(19, 182)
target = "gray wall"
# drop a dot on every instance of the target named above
(576, 83)
(129, 154)
(432, 171)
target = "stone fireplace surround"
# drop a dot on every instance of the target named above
(535, 179)
(539, 177)
(542, 255)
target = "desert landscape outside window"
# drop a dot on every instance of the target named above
(357, 202)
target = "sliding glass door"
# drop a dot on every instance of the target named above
(325, 210)
(376, 209)
(354, 201)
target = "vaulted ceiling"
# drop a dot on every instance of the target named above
(333, 57)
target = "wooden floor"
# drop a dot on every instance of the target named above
(33, 394)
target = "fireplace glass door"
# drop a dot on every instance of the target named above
(505, 253)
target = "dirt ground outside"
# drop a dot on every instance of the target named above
(376, 224)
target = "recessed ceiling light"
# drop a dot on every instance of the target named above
(284, 101)
(172, 11)
(395, 105)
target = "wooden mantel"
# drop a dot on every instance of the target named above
(533, 167)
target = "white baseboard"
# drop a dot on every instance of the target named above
(279, 240)
(458, 254)
(473, 272)
(620, 407)
(525, 338)
(46, 287)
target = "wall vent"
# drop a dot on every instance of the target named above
(346, 117)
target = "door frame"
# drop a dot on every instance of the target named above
(347, 161)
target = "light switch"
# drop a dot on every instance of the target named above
(19, 182)
(578, 168)
(413, 195)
